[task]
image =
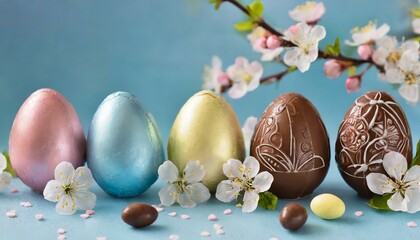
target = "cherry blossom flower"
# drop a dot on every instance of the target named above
(248, 130)
(353, 83)
(402, 184)
(410, 89)
(243, 178)
(186, 190)
(367, 34)
(70, 189)
(306, 39)
(388, 54)
(416, 25)
(213, 77)
(245, 77)
(310, 12)
(5, 177)
(258, 40)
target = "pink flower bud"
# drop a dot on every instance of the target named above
(364, 51)
(353, 83)
(333, 69)
(223, 79)
(262, 42)
(273, 42)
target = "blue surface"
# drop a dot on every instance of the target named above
(156, 50)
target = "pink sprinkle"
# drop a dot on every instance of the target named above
(205, 234)
(212, 217)
(14, 190)
(173, 237)
(217, 226)
(85, 216)
(172, 214)
(61, 231)
(90, 212)
(411, 224)
(61, 237)
(101, 238)
(11, 214)
(227, 211)
(159, 209)
(185, 216)
(220, 232)
(27, 204)
(39, 217)
(22, 203)
(358, 213)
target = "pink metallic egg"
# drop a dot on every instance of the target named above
(45, 132)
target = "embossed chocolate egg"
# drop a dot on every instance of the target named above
(45, 132)
(124, 148)
(206, 129)
(291, 142)
(373, 126)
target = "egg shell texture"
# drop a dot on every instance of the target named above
(373, 126)
(291, 142)
(124, 148)
(45, 132)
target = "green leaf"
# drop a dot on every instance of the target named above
(380, 202)
(415, 39)
(416, 159)
(9, 165)
(256, 10)
(244, 26)
(335, 49)
(291, 69)
(268, 200)
(351, 71)
(216, 3)
(415, 12)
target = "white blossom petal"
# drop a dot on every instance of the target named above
(251, 199)
(248, 130)
(198, 192)
(168, 194)
(168, 172)
(186, 201)
(83, 176)
(237, 90)
(379, 183)
(413, 174)
(227, 191)
(410, 92)
(85, 200)
(3, 162)
(397, 202)
(394, 76)
(251, 167)
(64, 172)
(53, 191)
(395, 165)
(416, 25)
(231, 169)
(263, 181)
(5, 179)
(413, 200)
(318, 32)
(66, 206)
(194, 172)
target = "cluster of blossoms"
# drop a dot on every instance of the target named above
(297, 47)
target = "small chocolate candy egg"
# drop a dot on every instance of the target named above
(139, 215)
(293, 216)
(373, 126)
(328, 206)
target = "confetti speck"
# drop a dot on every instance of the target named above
(172, 214)
(411, 224)
(101, 238)
(61, 231)
(90, 212)
(173, 237)
(11, 214)
(14, 190)
(358, 213)
(220, 232)
(212, 217)
(61, 237)
(39, 217)
(274, 238)
(185, 216)
(217, 226)
(227, 211)
(205, 234)
(27, 204)
(84, 216)
(159, 209)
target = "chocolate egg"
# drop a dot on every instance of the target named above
(373, 126)
(124, 148)
(206, 129)
(291, 142)
(45, 132)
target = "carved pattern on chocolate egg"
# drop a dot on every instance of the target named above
(277, 151)
(364, 141)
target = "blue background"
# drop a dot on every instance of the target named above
(157, 50)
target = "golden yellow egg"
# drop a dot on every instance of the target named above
(206, 129)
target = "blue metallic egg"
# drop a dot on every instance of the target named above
(124, 147)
